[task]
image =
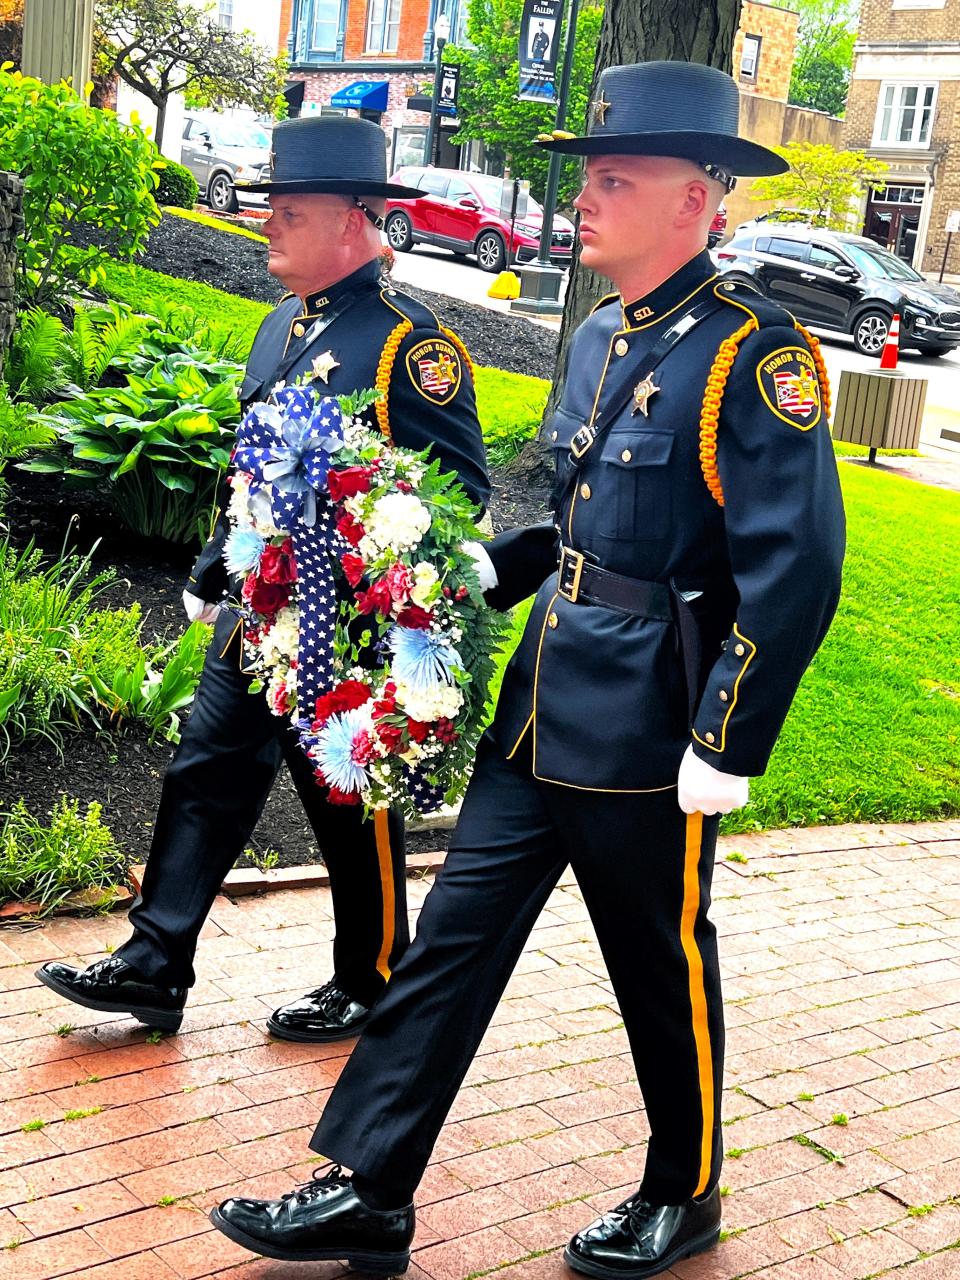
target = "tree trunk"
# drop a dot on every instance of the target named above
(644, 31)
(161, 117)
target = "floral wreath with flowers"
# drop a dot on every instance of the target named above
(364, 620)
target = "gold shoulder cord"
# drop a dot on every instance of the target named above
(818, 360)
(712, 399)
(384, 370)
(458, 343)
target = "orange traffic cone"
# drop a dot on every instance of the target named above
(891, 348)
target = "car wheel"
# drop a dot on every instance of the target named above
(221, 196)
(399, 232)
(870, 332)
(491, 251)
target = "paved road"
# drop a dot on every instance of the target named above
(440, 271)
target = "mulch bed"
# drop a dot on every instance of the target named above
(124, 771)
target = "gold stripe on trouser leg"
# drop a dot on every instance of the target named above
(384, 857)
(698, 995)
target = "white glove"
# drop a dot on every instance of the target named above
(483, 564)
(703, 789)
(198, 610)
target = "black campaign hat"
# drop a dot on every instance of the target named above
(680, 109)
(329, 155)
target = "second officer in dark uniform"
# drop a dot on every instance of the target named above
(343, 327)
(700, 536)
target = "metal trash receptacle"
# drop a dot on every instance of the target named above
(881, 409)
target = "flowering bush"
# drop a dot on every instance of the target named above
(365, 621)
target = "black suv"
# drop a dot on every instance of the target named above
(838, 281)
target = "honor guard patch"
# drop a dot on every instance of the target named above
(434, 369)
(789, 384)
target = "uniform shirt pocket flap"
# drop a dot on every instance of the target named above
(561, 428)
(632, 449)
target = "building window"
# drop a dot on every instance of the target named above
(225, 14)
(383, 26)
(458, 13)
(326, 22)
(904, 115)
(749, 57)
(899, 195)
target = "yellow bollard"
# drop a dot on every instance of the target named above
(506, 285)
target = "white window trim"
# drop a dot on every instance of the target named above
(899, 86)
(919, 4)
(380, 44)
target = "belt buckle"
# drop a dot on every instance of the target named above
(581, 442)
(568, 574)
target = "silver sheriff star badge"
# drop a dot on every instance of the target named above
(323, 365)
(642, 393)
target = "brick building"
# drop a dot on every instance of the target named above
(904, 108)
(764, 49)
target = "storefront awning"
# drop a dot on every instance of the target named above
(369, 94)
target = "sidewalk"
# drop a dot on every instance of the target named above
(841, 954)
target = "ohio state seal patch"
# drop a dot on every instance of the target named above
(790, 387)
(434, 369)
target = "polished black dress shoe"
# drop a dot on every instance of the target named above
(114, 986)
(325, 1014)
(324, 1220)
(637, 1239)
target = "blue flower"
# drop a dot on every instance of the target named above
(334, 750)
(242, 551)
(421, 659)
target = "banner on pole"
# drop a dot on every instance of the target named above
(539, 38)
(448, 89)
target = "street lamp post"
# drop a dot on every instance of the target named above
(441, 34)
(540, 280)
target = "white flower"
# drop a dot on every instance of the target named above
(398, 520)
(426, 705)
(425, 579)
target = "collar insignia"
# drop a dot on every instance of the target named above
(642, 313)
(642, 393)
(323, 365)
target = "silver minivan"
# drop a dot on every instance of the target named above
(217, 150)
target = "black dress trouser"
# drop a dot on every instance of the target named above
(644, 869)
(213, 793)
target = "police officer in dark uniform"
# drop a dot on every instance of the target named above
(345, 328)
(540, 44)
(700, 535)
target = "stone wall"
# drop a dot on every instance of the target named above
(11, 225)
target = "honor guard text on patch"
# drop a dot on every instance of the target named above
(788, 383)
(434, 368)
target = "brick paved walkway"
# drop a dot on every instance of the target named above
(841, 952)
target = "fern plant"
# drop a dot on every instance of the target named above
(103, 338)
(35, 366)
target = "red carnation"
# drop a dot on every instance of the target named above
(265, 597)
(336, 796)
(277, 564)
(391, 736)
(347, 695)
(353, 567)
(417, 730)
(350, 528)
(415, 617)
(399, 581)
(375, 600)
(348, 482)
(361, 749)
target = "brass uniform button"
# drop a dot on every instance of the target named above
(298, 330)
(553, 435)
(553, 621)
(739, 650)
(626, 455)
(724, 696)
(621, 346)
(708, 737)
(585, 492)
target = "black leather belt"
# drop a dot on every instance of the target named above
(581, 582)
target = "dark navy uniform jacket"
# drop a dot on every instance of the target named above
(360, 333)
(602, 691)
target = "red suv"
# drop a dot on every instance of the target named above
(461, 211)
(717, 227)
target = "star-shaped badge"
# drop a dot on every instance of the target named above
(600, 109)
(642, 393)
(323, 365)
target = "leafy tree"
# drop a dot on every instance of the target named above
(88, 185)
(821, 180)
(488, 105)
(825, 39)
(162, 47)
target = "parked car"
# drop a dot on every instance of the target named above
(717, 227)
(461, 211)
(218, 150)
(802, 217)
(835, 280)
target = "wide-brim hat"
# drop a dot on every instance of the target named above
(329, 155)
(680, 109)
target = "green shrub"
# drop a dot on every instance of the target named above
(43, 863)
(34, 368)
(177, 186)
(510, 407)
(83, 171)
(19, 434)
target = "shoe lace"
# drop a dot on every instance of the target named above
(638, 1216)
(325, 1178)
